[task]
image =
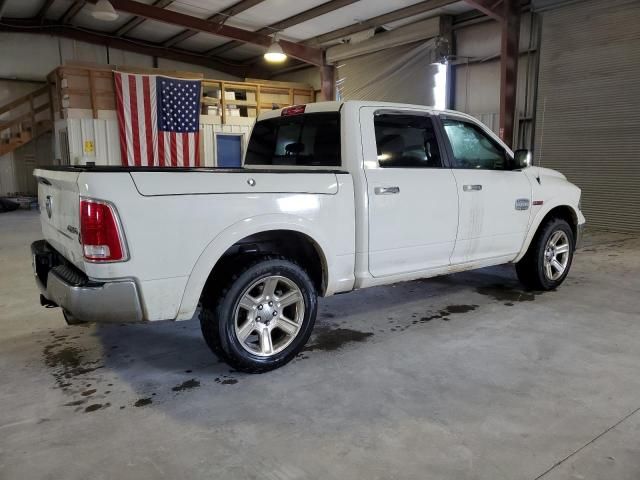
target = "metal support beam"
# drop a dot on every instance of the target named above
(68, 31)
(380, 20)
(509, 52)
(134, 22)
(490, 8)
(328, 82)
(309, 14)
(43, 10)
(507, 12)
(302, 52)
(219, 17)
(72, 11)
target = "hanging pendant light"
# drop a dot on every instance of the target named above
(103, 10)
(274, 53)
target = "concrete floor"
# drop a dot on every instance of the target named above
(460, 377)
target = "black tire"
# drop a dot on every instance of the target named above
(217, 316)
(70, 319)
(531, 270)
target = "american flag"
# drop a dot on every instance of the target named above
(158, 119)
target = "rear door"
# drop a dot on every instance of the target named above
(413, 200)
(58, 199)
(494, 199)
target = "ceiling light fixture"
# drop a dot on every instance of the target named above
(103, 10)
(274, 53)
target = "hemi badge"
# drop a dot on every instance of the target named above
(538, 202)
(522, 204)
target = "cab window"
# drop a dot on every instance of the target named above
(406, 141)
(312, 139)
(473, 148)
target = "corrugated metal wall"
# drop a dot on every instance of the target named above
(588, 110)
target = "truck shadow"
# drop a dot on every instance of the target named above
(144, 365)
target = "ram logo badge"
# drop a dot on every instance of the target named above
(522, 204)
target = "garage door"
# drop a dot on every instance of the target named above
(588, 108)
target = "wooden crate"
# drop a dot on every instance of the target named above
(85, 90)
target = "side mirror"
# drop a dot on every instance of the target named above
(522, 159)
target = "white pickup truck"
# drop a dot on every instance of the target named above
(332, 197)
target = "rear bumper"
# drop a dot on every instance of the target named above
(86, 300)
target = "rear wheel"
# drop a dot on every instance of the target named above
(262, 317)
(548, 260)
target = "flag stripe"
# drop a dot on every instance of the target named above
(174, 152)
(135, 130)
(142, 125)
(157, 158)
(146, 94)
(186, 158)
(121, 121)
(167, 149)
(180, 151)
(127, 122)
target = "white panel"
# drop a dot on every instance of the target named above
(113, 142)
(88, 140)
(74, 131)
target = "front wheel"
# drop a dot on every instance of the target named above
(262, 317)
(548, 260)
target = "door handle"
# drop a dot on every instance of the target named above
(471, 188)
(386, 190)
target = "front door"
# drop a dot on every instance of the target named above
(413, 201)
(494, 199)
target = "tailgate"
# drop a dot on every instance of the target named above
(59, 212)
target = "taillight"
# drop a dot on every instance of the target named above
(294, 110)
(100, 233)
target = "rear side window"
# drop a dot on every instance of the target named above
(406, 141)
(312, 139)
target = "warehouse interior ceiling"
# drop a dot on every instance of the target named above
(309, 25)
